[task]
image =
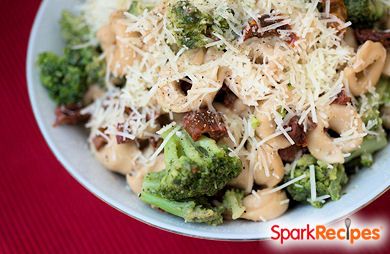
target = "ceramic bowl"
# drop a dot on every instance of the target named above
(70, 147)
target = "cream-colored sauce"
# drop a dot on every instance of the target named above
(94, 92)
(264, 206)
(112, 38)
(386, 69)
(275, 168)
(245, 180)
(120, 158)
(136, 178)
(350, 38)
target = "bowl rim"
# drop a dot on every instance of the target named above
(30, 65)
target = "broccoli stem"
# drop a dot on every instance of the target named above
(190, 211)
(151, 182)
(171, 151)
(364, 13)
(186, 145)
(173, 207)
(209, 145)
(232, 202)
(189, 148)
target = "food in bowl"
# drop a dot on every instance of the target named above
(218, 110)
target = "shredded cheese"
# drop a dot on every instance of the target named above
(286, 201)
(303, 78)
(164, 143)
(313, 191)
(292, 181)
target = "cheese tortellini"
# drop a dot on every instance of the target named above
(201, 89)
(367, 68)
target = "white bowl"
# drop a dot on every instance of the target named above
(70, 146)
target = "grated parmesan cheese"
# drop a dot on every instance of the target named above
(303, 78)
(164, 143)
(286, 201)
(313, 191)
(292, 181)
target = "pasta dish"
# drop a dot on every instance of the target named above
(220, 110)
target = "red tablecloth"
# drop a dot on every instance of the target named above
(42, 208)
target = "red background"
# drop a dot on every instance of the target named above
(43, 209)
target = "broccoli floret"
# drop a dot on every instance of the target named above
(364, 13)
(220, 25)
(232, 203)
(193, 169)
(383, 90)
(138, 7)
(369, 108)
(188, 24)
(79, 57)
(68, 77)
(89, 61)
(190, 211)
(255, 122)
(64, 82)
(364, 156)
(74, 29)
(96, 71)
(329, 181)
(282, 112)
(191, 27)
